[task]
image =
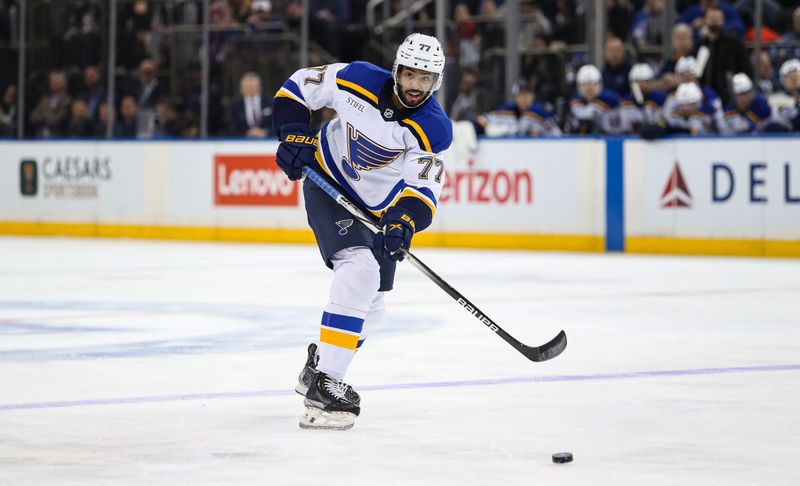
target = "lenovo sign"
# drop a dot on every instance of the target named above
(252, 180)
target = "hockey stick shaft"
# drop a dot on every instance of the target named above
(539, 353)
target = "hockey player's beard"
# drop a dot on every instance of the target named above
(412, 97)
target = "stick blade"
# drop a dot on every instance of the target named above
(546, 351)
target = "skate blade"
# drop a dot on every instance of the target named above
(314, 418)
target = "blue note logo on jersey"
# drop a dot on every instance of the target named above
(365, 154)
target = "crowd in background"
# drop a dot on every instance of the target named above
(158, 77)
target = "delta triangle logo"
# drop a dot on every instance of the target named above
(676, 193)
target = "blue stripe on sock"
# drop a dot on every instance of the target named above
(360, 342)
(345, 323)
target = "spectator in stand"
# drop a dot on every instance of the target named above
(223, 31)
(593, 109)
(682, 46)
(538, 25)
(83, 42)
(465, 104)
(749, 112)
(189, 126)
(323, 26)
(80, 123)
(186, 12)
(126, 126)
(52, 112)
(261, 20)
(149, 91)
(464, 41)
(727, 55)
(568, 22)
(767, 77)
(141, 26)
(645, 102)
(490, 32)
(619, 15)
(523, 117)
(240, 9)
(8, 111)
(101, 124)
(251, 113)
(695, 16)
(332, 16)
(788, 46)
(617, 67)
(166, 120)
(647, 28)
(93, 89)
(786, 104)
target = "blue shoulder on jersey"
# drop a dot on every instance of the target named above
(537, 109)
(364, 80)
(608, 98)
(709, 93)
(707, 107)
(658, 97)
(506, 107)
(760, 107)
(431, 127)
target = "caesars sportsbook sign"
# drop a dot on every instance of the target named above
(71, 181)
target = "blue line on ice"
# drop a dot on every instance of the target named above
(399, 386)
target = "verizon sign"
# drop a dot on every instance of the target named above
(252, 180)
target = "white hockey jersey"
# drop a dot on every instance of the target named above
(375, 151)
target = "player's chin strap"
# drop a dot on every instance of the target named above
(534, 353)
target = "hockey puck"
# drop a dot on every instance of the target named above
(562, 457)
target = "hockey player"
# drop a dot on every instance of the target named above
(787, 104)
(645, 102)
(593, 109)
(687, 111)
(525, 116)
(687, 70)
(749, 112)
(385, 152)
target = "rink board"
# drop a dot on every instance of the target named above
(507, 195)
(737, 196)
(713, 196)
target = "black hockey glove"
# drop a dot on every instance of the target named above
(297, 148)
(398, 229)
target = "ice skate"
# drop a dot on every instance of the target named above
(307, 376)
(327, 406)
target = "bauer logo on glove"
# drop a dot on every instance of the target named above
(306, 139)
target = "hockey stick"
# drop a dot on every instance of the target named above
(534, 353)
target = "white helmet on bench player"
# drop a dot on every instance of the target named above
(421, 52)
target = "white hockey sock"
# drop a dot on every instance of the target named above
(355, 283)
(375, 315)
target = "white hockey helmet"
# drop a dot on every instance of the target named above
(641, 72)
(741, 83)
(588, 74)
(789, 67)
(420, 51)
(688, 93)
(687, 64)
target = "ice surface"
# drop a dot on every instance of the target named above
(140, 362)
